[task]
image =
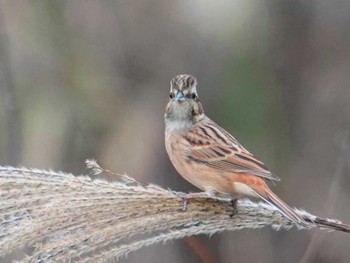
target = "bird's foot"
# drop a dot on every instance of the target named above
(186, 197)
(234, 208)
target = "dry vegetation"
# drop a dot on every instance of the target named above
(67, 217)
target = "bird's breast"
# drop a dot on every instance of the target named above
(194, 172)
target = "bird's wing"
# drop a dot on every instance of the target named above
(215, 147)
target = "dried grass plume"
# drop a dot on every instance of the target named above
(67, 217)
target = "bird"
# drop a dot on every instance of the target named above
(209, 157)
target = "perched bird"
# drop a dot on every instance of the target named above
(209, 157)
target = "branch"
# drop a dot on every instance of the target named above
(75, 218)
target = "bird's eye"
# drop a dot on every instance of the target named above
(193, 96)
(171, 95)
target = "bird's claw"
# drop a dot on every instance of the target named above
(186, 197)
(234, 209)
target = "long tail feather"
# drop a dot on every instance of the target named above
(285, 209)
(331, 224)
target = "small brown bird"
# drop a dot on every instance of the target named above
(209, 157)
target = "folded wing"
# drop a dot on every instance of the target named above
(215, 147)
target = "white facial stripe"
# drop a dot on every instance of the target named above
(171, 86)
(194, 89)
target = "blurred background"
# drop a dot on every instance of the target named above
(90, 79)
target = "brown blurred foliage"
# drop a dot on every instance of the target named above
(89, 79)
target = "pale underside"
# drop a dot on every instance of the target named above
(219, 166)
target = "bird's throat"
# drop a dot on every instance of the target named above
(177, 125)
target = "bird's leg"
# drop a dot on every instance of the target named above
(233, 205)
(186, 197)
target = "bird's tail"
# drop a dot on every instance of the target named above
(331, 224)
(285, 209)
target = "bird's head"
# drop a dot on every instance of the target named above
(184, 107)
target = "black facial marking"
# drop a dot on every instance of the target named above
(191, 81)
(188, 82)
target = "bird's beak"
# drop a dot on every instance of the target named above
(180, 97)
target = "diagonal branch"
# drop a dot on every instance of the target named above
(67, 217)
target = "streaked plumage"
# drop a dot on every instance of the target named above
(208, 156)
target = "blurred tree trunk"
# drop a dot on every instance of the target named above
(7, 93)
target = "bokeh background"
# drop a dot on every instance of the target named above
(89, 79)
